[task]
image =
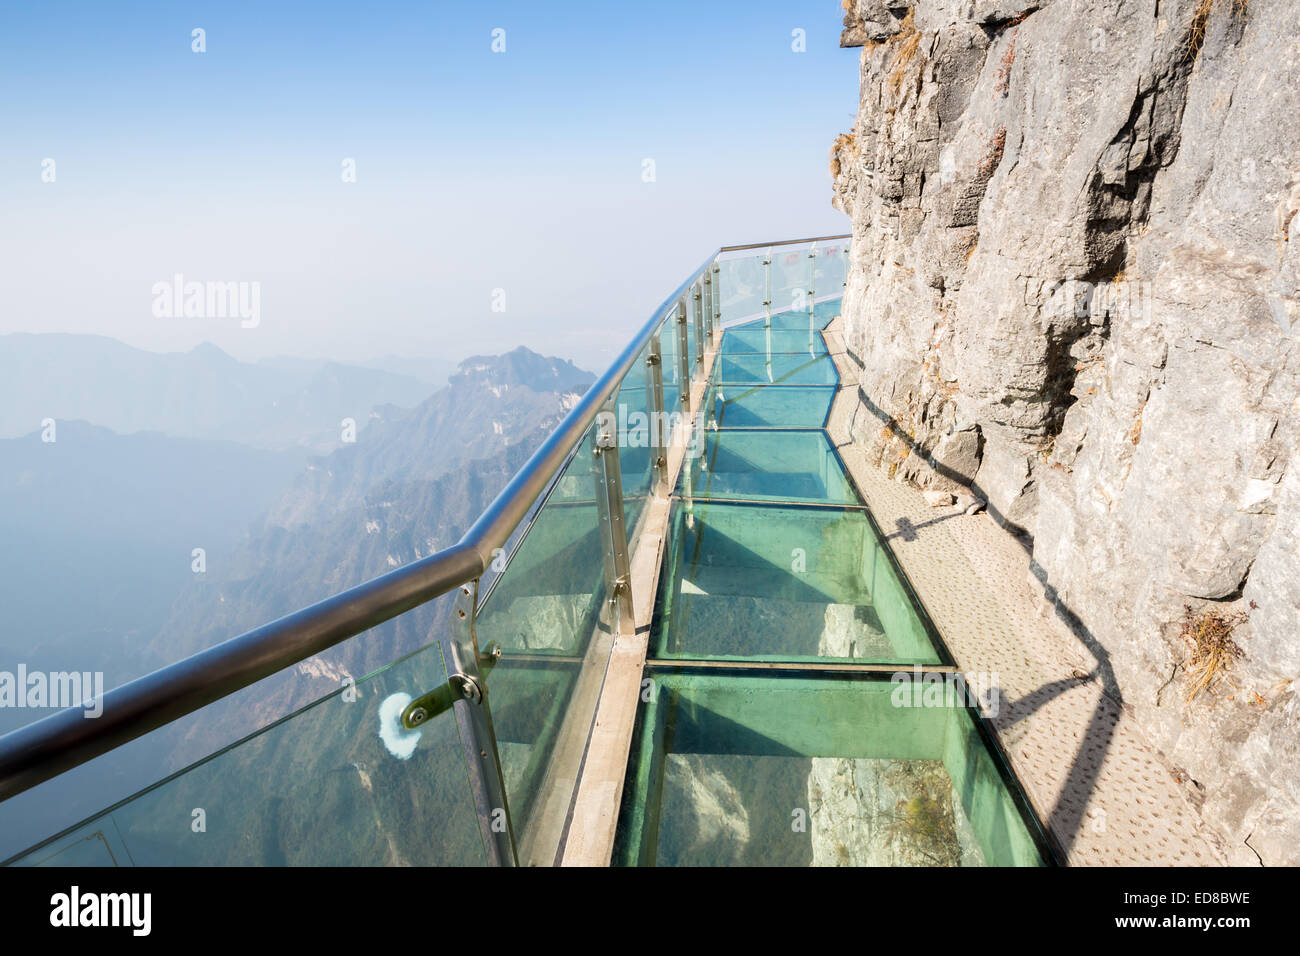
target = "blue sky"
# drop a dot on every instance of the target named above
(475, 170)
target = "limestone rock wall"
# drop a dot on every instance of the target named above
(1074, 286)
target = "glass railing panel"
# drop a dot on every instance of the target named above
(739, 768)
(544, 613)
(669, 349)
(830, 267)
(765, 465)
(807, 340)
(742, 285)
(767, 406)
(337, 783)
(547, 599)
(636, 441)
(692, 339)
(775, 369)
(530, 696)
(790, 275)
(784, 583)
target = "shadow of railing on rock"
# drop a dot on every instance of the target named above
(1064, 820)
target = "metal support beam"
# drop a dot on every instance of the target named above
(698, 298)
(659, 419)
(683, 366)
(767, 284)
(613, 530)
(812, 277)
(706, 306)
(460, 654)
(716, 304)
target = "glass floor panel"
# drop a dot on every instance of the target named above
(775, 341)
(749, 769)
(763, 582)
(756, 368)
(767, 464)
(760, 406)
(823, 313)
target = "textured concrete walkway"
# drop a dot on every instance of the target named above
(1105, 793)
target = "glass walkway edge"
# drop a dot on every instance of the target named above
(686, 551)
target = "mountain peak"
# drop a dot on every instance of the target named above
(211, 353)
(521, 366)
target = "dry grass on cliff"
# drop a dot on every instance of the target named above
(1200, 21)
(909, 41)
(1209, 635)
(845, 144)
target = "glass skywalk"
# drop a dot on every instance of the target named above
(780, 726)
(778, 722)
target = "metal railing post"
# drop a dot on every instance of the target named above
(698, 297)
(812, 277)
(659, 425)
(706, 305)
(683, 366)
(767, 294)
(609, 503)
(716, 304)
(461, 657)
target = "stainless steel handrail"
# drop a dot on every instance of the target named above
(783, 242)
(67, 739)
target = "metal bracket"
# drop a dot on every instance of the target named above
(609, 504)
(767, 284)
(658, 418)
(465, 692)
(683, 364)
(699, 326)
(444, 696)
(706, 308)
(812, 277)
(716, 304)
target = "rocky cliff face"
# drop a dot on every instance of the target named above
(1074, 287)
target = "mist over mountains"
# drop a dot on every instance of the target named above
(101, 524)
(204, 393)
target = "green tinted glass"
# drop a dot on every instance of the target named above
(767, 465)
(732, 769)
(338, 783)
(635, 440)
(760, 406)
(783, 369)
(547, 599)
(669, 348)
(766, 582)
(807, 341)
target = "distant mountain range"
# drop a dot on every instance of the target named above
(101, 525)
(204, 393)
